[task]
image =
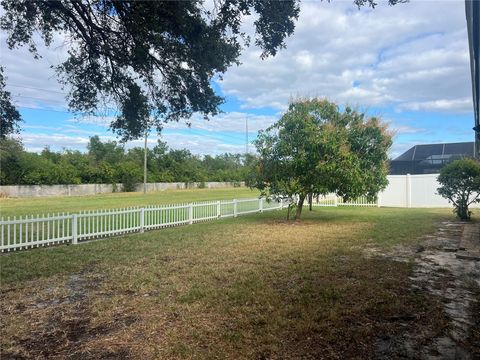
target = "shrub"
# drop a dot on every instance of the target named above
(460, 184)
(128, 182)
(129, 174)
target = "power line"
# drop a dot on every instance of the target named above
(37, 98)
(206, 135)
(217, 138)
(195, 131)
(188, 129)
(69, 112)
(41, 109)
(36, 88)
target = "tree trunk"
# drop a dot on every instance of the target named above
(463, 213)
(462, 208)
(310, 201)
(288, 211)
(301, 199)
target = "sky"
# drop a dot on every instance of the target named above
(408, 64)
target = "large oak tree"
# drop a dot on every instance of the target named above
(149, 59)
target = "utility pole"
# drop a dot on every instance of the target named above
(145, 164)
(246, 136)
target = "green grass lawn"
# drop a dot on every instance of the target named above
(254, 287)
(33, 206)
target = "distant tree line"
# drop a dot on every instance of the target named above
(108, 162)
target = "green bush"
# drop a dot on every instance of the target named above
(128, 183)
(460, 184)
(129, 174)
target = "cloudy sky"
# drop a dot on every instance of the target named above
(408, 64)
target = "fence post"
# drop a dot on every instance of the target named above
(281, 203)
(379, 199)
(219, 209)
(234, 207)
(335, 201)
(260, 205)
(190, 214)
(142, 220)
(74, 229)
(409, 191)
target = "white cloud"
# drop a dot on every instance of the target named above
(225, 122)
(229, 122)
(404, 54)
(33, 83)
(76, 139)
(41, 127)
(440, 105)
(200, 145)
(304, 59)
(406, 129)
(56, 141)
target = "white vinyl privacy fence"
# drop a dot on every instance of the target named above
(413, 191)
(24, 232)
(409, 191)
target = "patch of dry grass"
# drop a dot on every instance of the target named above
(250, 288)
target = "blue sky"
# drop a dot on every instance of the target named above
(408, 64)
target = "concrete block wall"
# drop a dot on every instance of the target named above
(15, 191)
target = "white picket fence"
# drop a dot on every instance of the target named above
(25, 232)
(333, 200)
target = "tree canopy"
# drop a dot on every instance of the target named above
(148, 58)
(317, 149)
(9, 116)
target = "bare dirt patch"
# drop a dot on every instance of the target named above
(455, 282)
(56, 323)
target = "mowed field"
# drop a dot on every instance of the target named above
(253, 287)
(44, 205)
